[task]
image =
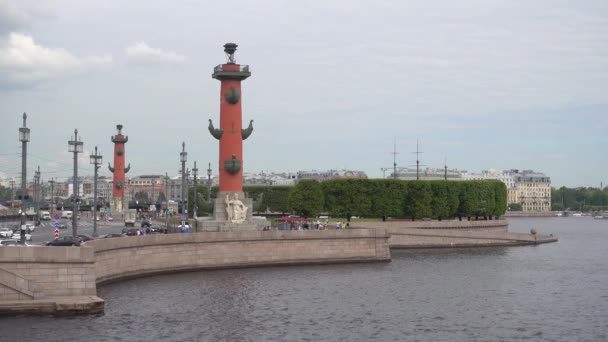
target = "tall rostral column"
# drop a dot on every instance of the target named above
(119, 170)
(231, 136)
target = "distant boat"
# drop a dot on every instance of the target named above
(577, 214)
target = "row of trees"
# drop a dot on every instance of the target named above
(582, 199)
(397, 198)
(374, 198)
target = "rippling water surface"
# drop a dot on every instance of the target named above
(552, 292)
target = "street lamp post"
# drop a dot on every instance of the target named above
(37, 194)
(209, 183)
(96, 160)
(183, 157)
(24, 137)
(194, 205)
(12, 191)
(52, 182)
(75, 146)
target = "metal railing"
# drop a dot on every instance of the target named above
(242, 68)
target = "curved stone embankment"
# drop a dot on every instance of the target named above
(394, 225)
(439, 234)
(63, 280)
(138, 256)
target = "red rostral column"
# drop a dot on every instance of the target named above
(119, 169)
(230, 134)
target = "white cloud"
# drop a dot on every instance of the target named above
(24, 61)
(141, 52)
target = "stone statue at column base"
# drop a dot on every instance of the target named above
(232, 212)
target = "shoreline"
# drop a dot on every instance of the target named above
(55, 281)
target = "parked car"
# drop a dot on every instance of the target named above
(131, 231)
(17, 236)
(30, 227)
(9, 243)
(45, 215)
(157, 230)
(6, 232)
(65, 241)
(113, 235)
(85, 238)
(13, 242)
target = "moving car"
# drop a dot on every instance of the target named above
(16, 243)
(17, 236)
(65, 241)
(112, 235)
(130, 216)
(6, 232)
(145, 223)
(66, 214)
(131, 231)
(30, 227)
(45, 215)
(9, 243)
(85, 238)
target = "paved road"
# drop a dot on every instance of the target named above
(45, 231)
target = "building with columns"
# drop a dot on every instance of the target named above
(532, 190)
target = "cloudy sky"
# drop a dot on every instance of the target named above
(488, 84)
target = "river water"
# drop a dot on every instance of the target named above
(551, 292)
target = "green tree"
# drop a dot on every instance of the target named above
(453, 193)
(500, 198)
(5, 193)
(515, 207)
(469, 200)
(201, 205)
(347, 196)
(269, 197)
(141, 197)
(439, 202)
(387, 196)
(418, 199)
(306, 198)
(487, 200)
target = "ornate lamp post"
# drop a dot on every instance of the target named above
(183, 157)
(37, 194)
(209, 183)
(96, 160)
(24, 137)
(75, 146)
(194, 205)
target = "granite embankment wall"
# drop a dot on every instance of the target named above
(36, 273)
(39, 272)
(432, 234)
(478, 226)
(137, 256)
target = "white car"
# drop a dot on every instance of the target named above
(13, 242)
(6, 232)
(30, 227)
(17, 236)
